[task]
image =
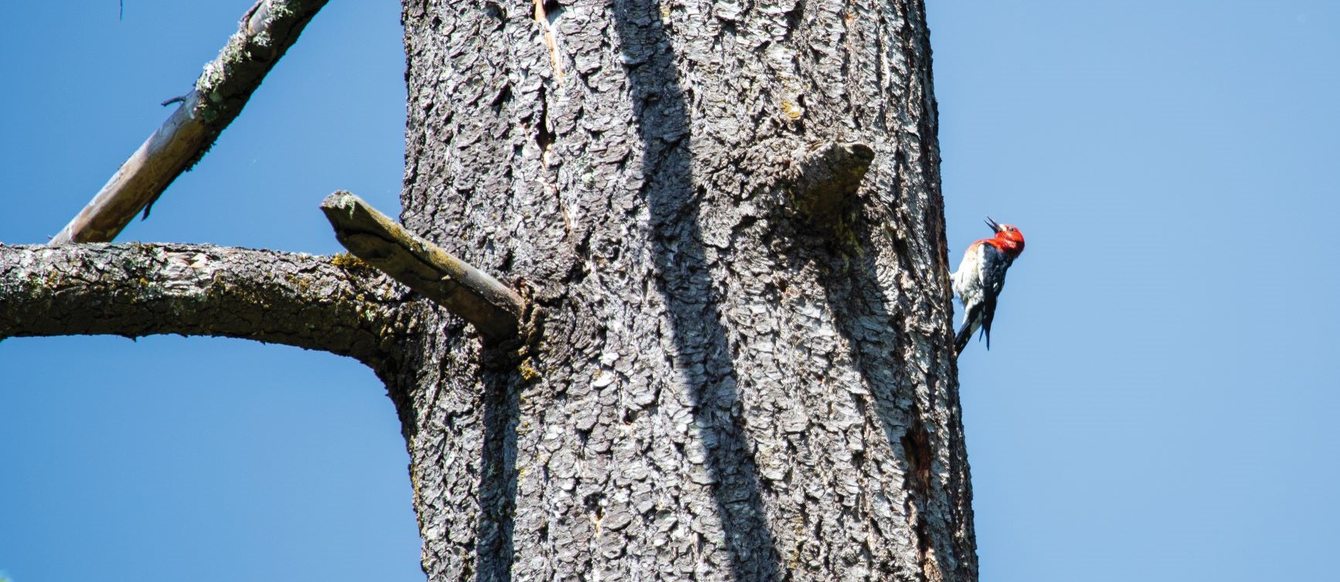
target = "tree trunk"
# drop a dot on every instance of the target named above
(728, 376)
(724, 221)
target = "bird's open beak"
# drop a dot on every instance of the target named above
(991, 223)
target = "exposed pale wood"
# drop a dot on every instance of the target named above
(157, 162)
(267, 29)
(468, 292)
(542, 17)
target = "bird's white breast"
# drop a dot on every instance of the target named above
(967, 279)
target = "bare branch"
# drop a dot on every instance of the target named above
(468, 292)
(267, 30)
(137, 289)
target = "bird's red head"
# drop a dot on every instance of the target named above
(1008, 238)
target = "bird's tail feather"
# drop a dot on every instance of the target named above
(964, 334)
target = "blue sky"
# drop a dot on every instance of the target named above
(1158, 402)
(198, 459)
(1160, 398)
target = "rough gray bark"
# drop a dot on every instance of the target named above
(723, 389)
(726, 218)
(319, 303)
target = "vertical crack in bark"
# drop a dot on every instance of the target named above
(543, 135)
(547, 12)
(702, 351)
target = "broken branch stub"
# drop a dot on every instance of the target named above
(825, 176)
(490, 306)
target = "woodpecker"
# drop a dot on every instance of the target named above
(981, 276)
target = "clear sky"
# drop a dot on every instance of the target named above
(198, 459)
(1158, 403)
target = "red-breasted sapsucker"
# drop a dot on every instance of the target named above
(981, 276)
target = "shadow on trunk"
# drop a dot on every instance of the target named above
(702, 352)
(870, 324)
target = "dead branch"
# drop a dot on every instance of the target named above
(138, 289)
(490, 306)
(267, 30)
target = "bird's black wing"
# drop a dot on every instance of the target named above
(995, 264)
